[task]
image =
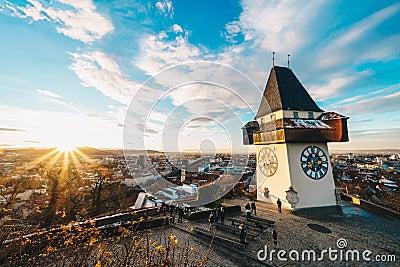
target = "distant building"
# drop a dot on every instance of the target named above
(142, 161)
(132, 182)
(145, 200)
(183, 175)
(191, 189)
(171, 193)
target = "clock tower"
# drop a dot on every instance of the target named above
(291, 133)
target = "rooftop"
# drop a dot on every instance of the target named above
(284, 91)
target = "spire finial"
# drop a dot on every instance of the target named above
(288, 61)
(273, 58)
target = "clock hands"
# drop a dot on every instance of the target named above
(314, 162)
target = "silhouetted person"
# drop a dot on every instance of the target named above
(222, 214)
(248, 213)
(217, 215)
(253, 207)
(171, 214)
(164, 209)
(211, 221)
(247, 207)
(243, 229)
(275, 237)
(279, 203)
(180, 215)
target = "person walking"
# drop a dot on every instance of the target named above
(275, 237)
(279, 203)
(247, 207)
(222, 214)
(242, 236)
(171, 214)
(211, 221)
(180, 214)
(253, 207)
(248, 214)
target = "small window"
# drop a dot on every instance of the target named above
(295, 114)
(273, 117)
(311, 115)
(262, 120)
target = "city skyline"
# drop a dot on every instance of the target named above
(70, 69)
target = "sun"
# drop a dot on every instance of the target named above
(66, 147)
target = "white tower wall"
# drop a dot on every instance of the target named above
(311, 193)
(278, 183)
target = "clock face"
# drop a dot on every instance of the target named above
(267, 161)
(314, 162)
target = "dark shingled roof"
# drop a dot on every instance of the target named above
(284, 91)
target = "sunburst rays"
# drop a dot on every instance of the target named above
(63, 159)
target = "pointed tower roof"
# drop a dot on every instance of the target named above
(284, 91)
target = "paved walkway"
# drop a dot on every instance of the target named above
(361, 229)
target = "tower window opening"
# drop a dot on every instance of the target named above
(311, 115)
(295, 114)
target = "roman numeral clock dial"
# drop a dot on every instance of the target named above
(268, 162)
(314, 162)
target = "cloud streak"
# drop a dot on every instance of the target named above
(48, 93)
(11, 130)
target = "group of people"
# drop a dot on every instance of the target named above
(216, 215)
(172, 210)
(250, 208)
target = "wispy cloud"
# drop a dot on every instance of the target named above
(53, 128)
(356, 41)
(79, 21)
(277, 25)
(157, 52)
(32, 142)
(7, 145)
(99, 70)
(377, 133)
(336, 82)
(385, 91)
(376, 105)
(165, 8)
(48, 93)
(11, 130)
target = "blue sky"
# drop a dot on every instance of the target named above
(70, 69)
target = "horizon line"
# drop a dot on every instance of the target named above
(188, 150)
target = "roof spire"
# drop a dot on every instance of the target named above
(273, 58)
(288, 61)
